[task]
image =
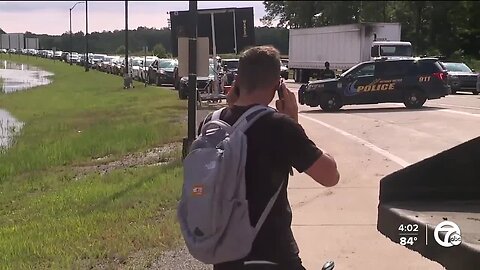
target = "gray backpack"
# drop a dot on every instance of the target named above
(213, 210)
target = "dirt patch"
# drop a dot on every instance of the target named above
(153, 157)
(178, 259)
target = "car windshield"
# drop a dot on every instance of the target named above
(167, 64)
(136, 62)
(231, 64)
(459, 67)
(395, 50)
(149, 62)
(350, 70)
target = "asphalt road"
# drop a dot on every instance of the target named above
(368, 143)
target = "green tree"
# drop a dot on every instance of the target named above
(160, 51)
(446, 27)
(120, 50)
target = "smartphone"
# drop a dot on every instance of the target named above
(279, 89)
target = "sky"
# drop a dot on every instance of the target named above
(52, 17)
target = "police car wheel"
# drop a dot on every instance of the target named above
(414, 99)
(475, 92)
(330, 102)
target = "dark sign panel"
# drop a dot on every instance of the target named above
(229, 23)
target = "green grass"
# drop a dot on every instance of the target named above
(50, 219)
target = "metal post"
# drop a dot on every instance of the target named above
(235, 32)
(192, 77)
(86, 60)
(126, 72)
(214, 49)
(145, 66)
(71, 42)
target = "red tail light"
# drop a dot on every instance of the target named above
(440, 75)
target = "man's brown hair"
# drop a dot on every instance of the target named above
(259, 67)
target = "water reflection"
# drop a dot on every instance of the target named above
(21, 76)
(9, 126)
(16, 77)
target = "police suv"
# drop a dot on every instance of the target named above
(410, 81)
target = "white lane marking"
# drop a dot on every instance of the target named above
(455, 106)
(371, 146)
(459, 112)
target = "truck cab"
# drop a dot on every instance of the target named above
(391, 50)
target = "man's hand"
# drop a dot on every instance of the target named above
(232, 96)
(288, 105)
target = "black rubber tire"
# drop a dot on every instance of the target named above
(330, 102)
(475, 92)
(414, 99)
(454, 92)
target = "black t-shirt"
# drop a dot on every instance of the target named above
(327, 74)
(275, 144)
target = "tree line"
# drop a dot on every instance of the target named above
(156, 40)
(449, 28)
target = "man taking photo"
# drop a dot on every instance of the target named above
(276, 143)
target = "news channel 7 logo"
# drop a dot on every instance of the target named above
(446, 234)
(452, 236)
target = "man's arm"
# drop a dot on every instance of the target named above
(324, 171)
(306, 157)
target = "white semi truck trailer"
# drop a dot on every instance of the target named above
(343, 46)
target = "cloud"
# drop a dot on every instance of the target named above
(53, 17)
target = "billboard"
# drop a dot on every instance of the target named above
(13, 41)
(4, 42)
(234, 28)
(31, 43)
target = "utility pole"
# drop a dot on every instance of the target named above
(126, 73)
(192, 77)
(86, 37)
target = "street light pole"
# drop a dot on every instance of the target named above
(71, 42)
(86, 36)
(126, 73)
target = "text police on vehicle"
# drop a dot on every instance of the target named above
(409, 81)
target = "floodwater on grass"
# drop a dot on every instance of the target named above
(16, 77)
(9, 126)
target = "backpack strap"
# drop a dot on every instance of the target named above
(250, 116)
(267, 209)
(216, 114)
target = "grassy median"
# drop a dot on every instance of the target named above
(50, 217)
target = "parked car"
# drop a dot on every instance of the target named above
(74, 57)
(135, 63)
(3, 50)
(145, 66)
(161, 71)
(118, 65)
(204, 84)
(97, 59)
(411, 81)
(461, 77)
(57, 55)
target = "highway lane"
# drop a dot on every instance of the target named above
(369, 142)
